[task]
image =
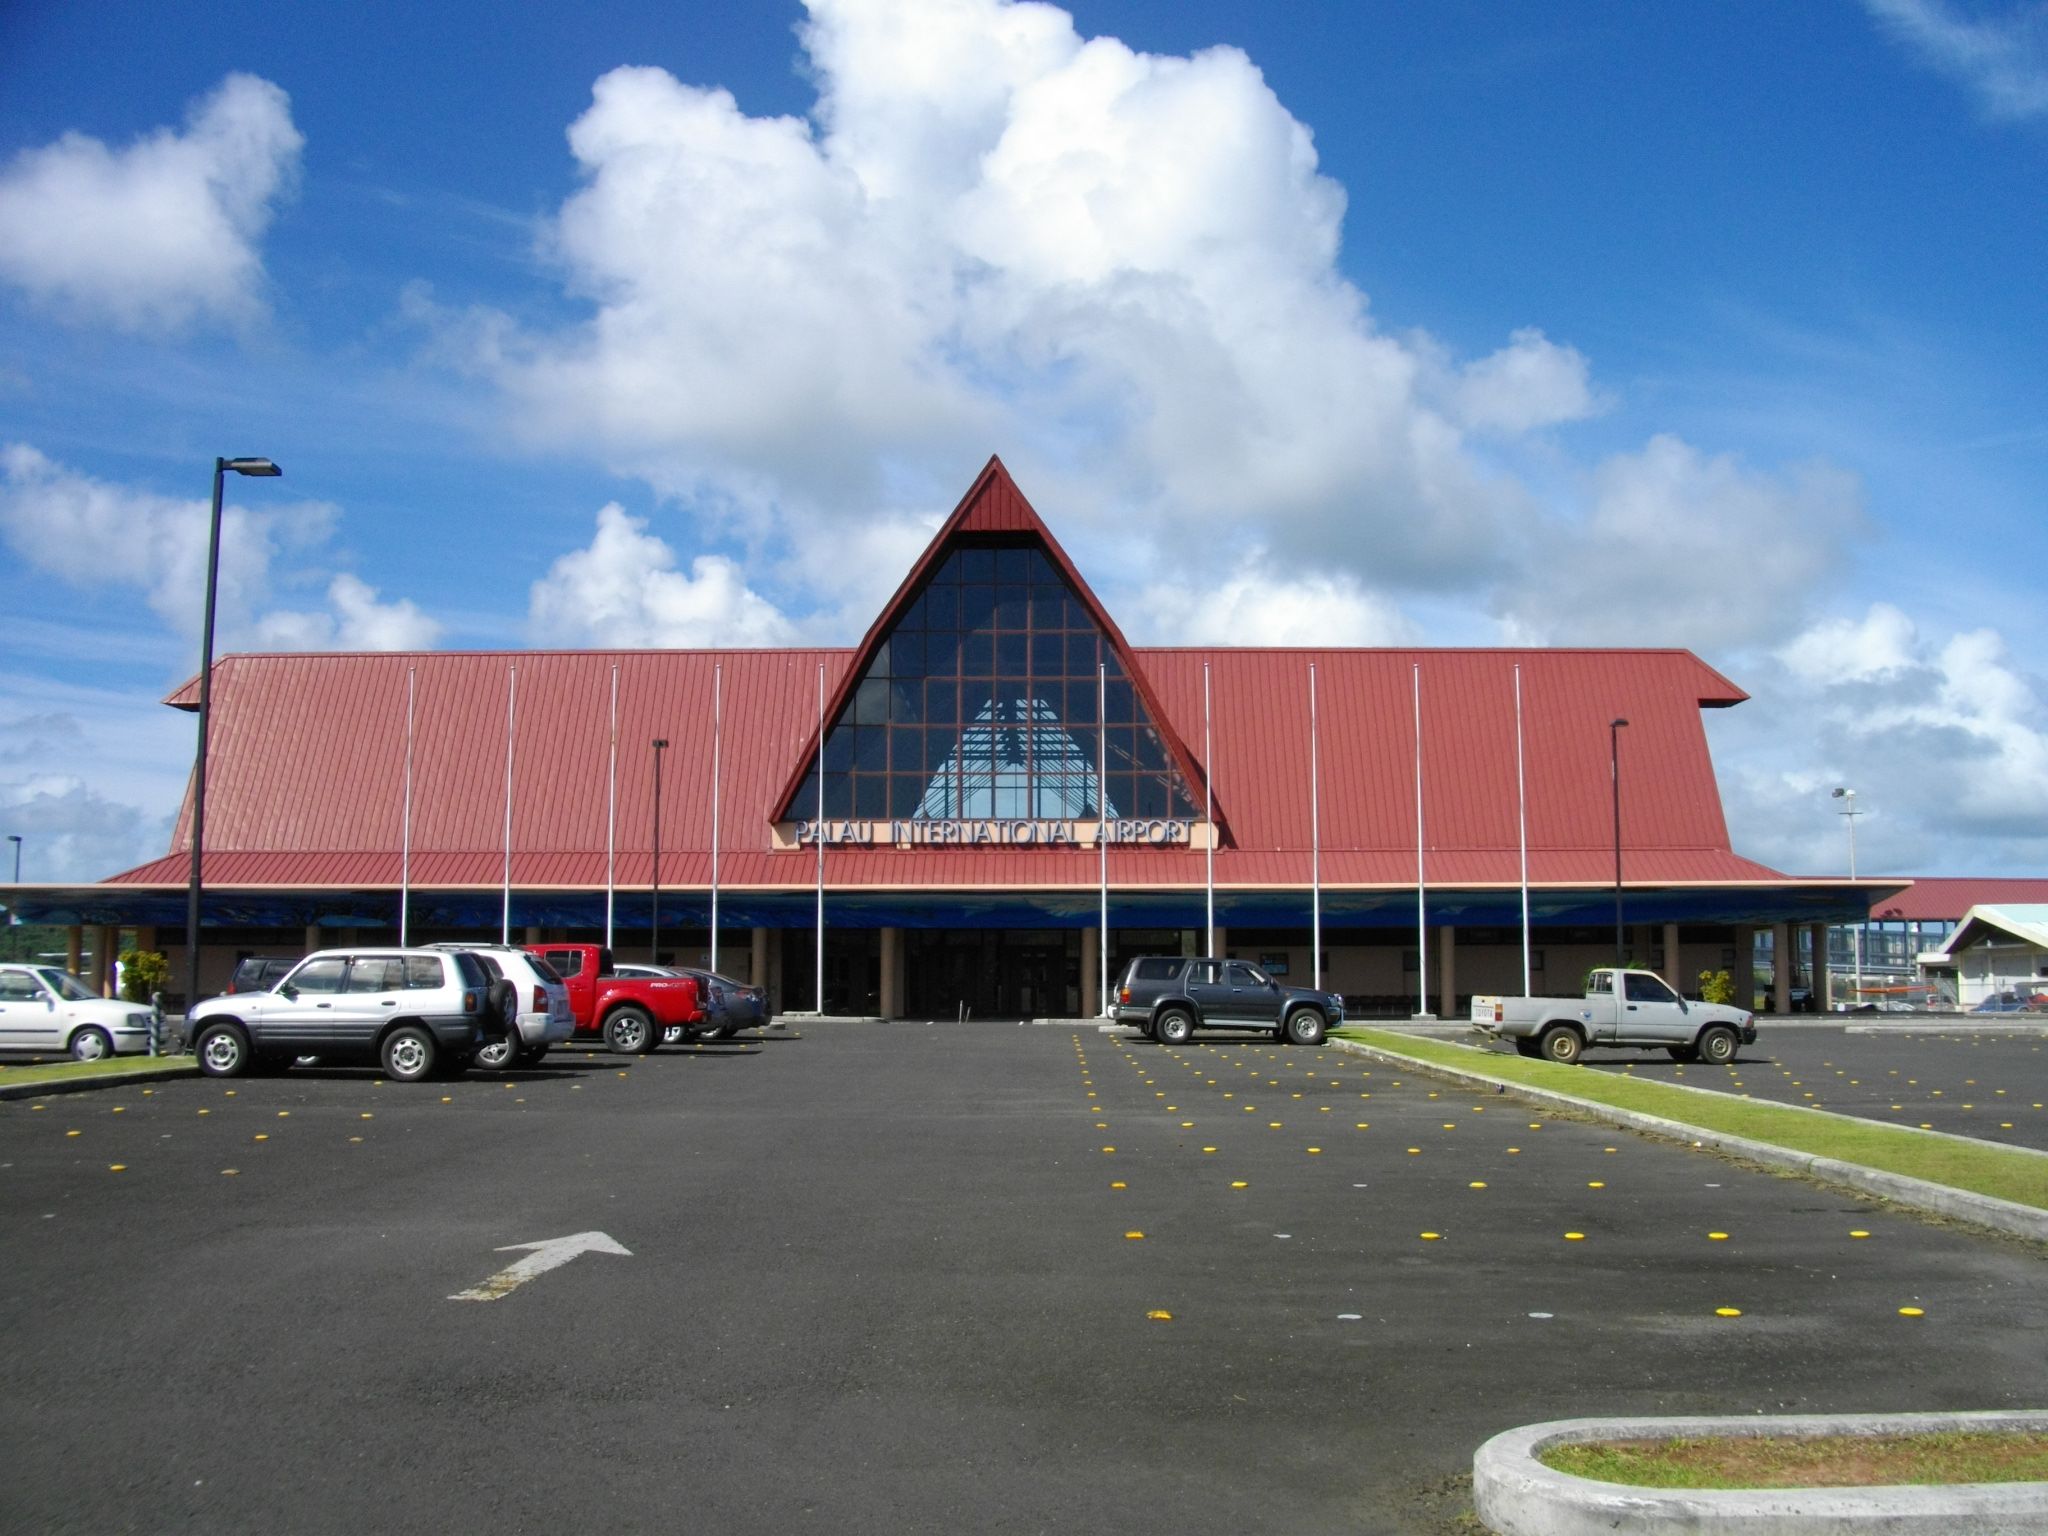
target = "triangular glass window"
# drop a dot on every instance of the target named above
(982, 702)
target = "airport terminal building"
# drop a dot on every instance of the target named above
(993, 799)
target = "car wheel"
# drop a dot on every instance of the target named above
(630, 1032)
(1305, 1027)
(223, 1051)
(408, 1054)
(1561, 1043)
(1717, 1045)
(501, 1055)
(1176, 1026)
(91, 1044)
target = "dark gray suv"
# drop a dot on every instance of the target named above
(1169, 997)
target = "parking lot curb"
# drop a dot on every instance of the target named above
(1514, 1494)
(102, 1080)
(2005, 1216)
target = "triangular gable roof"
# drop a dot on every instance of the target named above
(2027, 922)
(993, 504)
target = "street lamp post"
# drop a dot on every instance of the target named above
(15, 838)
(1852, 813)
(261, 468)
(1614, 773)
(654, 939)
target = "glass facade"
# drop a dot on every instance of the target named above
(982, 702)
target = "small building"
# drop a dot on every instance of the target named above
(1996, 949)
(987, 805)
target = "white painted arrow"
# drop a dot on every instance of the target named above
(549, 1253)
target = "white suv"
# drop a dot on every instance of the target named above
(43, 1008)
(413, 1010)
(537, 1010)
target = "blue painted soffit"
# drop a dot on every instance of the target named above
(481, 910)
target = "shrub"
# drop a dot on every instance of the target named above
(1716, 987)
(144, 972)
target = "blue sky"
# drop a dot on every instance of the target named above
(1714, 325)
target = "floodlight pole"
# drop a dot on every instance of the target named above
(1614, 772)
(262, 468)
(654, 911)
(1851, 814)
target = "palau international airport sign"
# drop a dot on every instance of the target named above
(920, 832)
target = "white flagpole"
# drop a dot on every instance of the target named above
(1209, 809)
(818, 837)
(1315, 834)
(611, 814)
(1102, 827)
(511, 717)
(405, 834)
(1421, 910)
(717, 725)
(1522, 815)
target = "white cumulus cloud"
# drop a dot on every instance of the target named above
(163, 233)
(1254, 606)
(1117, 268)
(91, 533)
(1679, 547)
(1944, 737)
(623, 589)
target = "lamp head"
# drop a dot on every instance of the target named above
(1844, 794)
(251, 466)
(660, 742)
(1616, 723)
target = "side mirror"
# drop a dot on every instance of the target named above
(287, 990)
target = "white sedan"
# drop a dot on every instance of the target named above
(45, 1009)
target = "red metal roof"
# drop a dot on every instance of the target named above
(1946, 900)
(308, 771)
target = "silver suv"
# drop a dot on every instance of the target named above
(412, 1010)
(528, 997)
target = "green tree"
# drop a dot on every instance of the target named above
(1716, 987)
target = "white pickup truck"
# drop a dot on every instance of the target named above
(1620, 1008)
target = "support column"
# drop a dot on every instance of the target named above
(1639, 946)
(103, 945)
(773, 979)
(757, 958)
(1822, 1001)
(74, 948)
(890, 1003)
(313, 942)
(1222, 941)
(1743, 971)
(1672, 971)
(1447, 972)
(1781, 967)
(534, 935)
(1091, 964)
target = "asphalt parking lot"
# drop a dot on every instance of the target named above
(911, 1277)
(1989, 1084)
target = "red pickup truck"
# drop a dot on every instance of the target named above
(629, 1013)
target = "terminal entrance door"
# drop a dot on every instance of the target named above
(1018, 973)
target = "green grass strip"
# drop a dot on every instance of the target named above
(1793, 1461)
(1979, 1167)
(33, 1071)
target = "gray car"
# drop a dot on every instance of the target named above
(414, 1011)
(1169, 997)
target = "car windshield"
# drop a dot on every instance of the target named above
(66, 985)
